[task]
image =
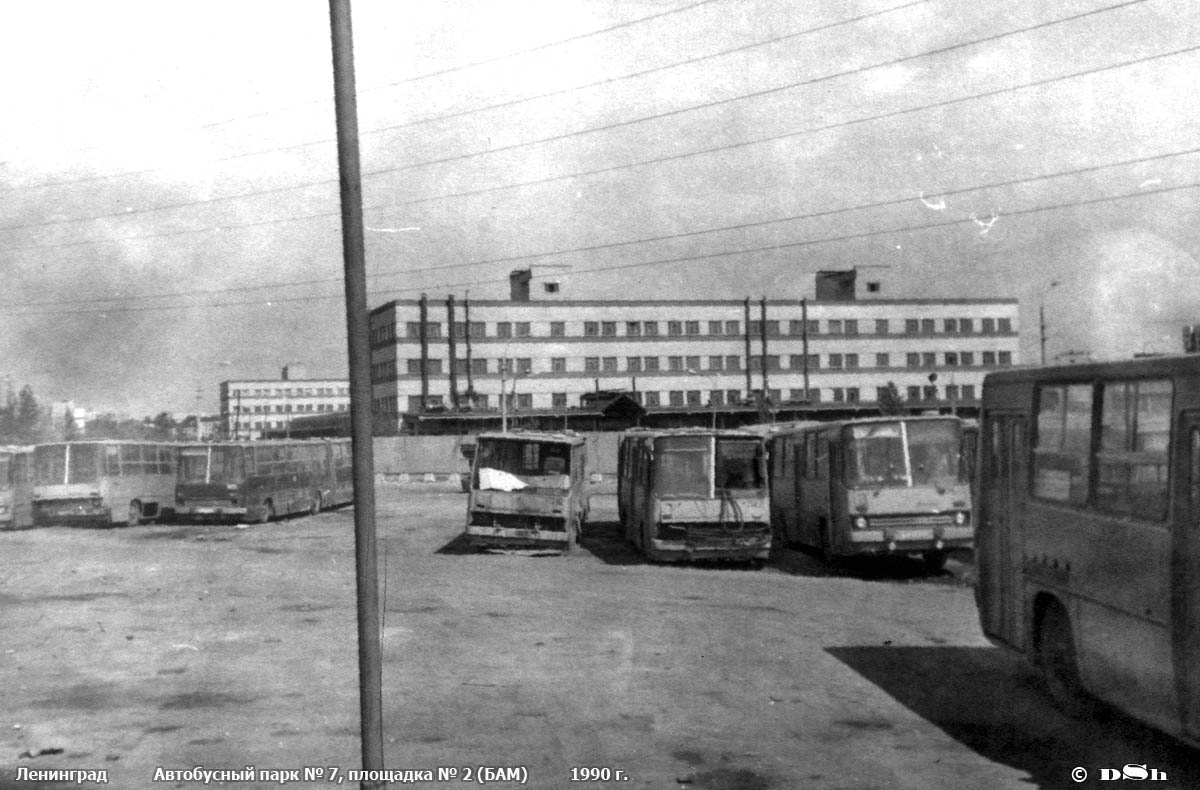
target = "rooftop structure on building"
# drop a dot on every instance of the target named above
(252, 408)
(542, 361)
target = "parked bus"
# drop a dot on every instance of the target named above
(528, 490)
(1089, 532)
(694, 494)
(103, 482)
(257, 481)
(886, 485)
(16, 487)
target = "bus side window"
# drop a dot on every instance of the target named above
(112, 460)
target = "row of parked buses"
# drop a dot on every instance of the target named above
(889, 485)
(114, 482)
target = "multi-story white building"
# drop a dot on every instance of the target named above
(250, 407)
(685, 355)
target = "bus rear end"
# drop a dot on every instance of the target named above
(904, 488)
(527, 492)
(210, 483)
(709, 498)
(68, 487)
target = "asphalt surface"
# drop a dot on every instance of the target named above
(171, 647)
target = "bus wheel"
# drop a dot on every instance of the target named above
(1056, 659)
(935, 561)
(135, 514)
(268, 512)
(316, 506)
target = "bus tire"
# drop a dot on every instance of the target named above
(268, 512)
(935, 561)
(1055, 658)
(316, 506)
(134, 517)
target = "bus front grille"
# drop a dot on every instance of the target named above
(913, 521)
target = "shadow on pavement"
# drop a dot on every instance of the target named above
(989, 701)
(799, 561)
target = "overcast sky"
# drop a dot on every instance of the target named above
(169, 176)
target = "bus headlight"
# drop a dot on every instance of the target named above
(860, 522)
(960, 518)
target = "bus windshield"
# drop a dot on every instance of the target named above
(225, 466)
(683, 466)
(904, 453)
(512, 465)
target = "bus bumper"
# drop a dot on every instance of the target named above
(906, 539)
(516, 538)
(71, 511)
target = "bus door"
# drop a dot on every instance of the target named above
(838, 515)
(999, 536)
(1185, 583)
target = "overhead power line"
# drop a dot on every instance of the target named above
(644, 119)
(642, 264)
(1142, 160)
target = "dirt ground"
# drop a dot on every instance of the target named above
(224, 647)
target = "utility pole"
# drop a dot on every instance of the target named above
(370, 663)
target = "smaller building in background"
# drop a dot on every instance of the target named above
(251, 408)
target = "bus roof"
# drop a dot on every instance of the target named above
(655, 433)
(556, 437)
(800, 426)
(1140, 366)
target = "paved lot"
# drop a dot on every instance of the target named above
(223, 647)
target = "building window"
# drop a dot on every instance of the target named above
(928, 327)
(911, 326)
(851, 327)
(881, 326)
(1004, 325)
(524, 401)
(691, 328)
(951, 359)
(651, 398)
(929, 392)
(835, 362)
(733, 397)
(591, 364)
(558, 364)
(505, 365)
(591, 328)
(772, 329)
(558, 328)
(608, 328)
(1005, 358)
(609, 364)
(883, 361)
(460, 367)
(522, 329)
(795, 328)
(633, 328)
(693, 398)
(988, 326)
(851, 361)
(839, 395)
(692, 363)
(675, 397)
(733, 362)
(966, 326)
(950, 326)
(503, 329)
(968, 391)
(479, 366)
(989, 357)
(715, 327)
(550, 287)
(796, 395)
(633, 364)
(674, 363)
(414, 366)
(733, 328)
(716, 398)
(650, 363)
(914, 393)
(951, 392)
(852, 395)
(524, 365)
(716, 363)
(460, 329)
(650, 328)
(966, 358)
(558, 400)
(674, 327)
(929, 359)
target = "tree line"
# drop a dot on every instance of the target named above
(24, 421)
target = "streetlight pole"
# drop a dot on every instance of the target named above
(1042, 320)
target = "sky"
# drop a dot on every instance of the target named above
(168, 171)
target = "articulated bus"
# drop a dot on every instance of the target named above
(528, 490)
(16, 487)
(103, 482)
(257, 481)
(1089, 532)
(887, 485)
(694, 494)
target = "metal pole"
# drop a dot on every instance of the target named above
(1042, 330)
(804, 336)
(746, 335)
(358, 330)
(762, 334)
(453, 352)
